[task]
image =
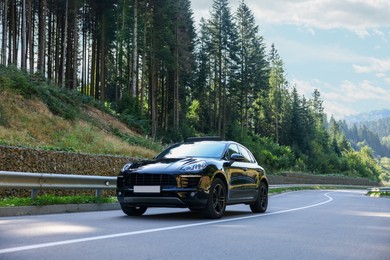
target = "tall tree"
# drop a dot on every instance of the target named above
(253, 66)
(224, 40)
(203, 90)
(277, 83)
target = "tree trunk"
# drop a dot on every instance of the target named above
(143, 76)
(84, 53)
(12, 38)
(176, 76)
(58, 51)
(42, 37)
(30, 26)
(93, 65)
(64, 45)
(75, 48)
(50, 46)
(102, 55)
(4, 39)
(153, 92)
(23, 56)
(135, 50)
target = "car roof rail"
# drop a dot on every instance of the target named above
(202, 138)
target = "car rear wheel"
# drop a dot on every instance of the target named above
(216, 203)
(261, 203)
(133, 211)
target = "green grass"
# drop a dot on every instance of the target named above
(54, 200)
(297, 188)
(281, 190)
(39, 115)
(369, 193)
(378, 194)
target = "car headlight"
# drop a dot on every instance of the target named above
(198, 166)
(126, 167)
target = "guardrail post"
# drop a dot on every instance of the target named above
(34, 194)
(98, 192)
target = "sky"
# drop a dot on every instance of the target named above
(340, 47)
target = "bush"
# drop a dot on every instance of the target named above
(362, 164)
(270, 155)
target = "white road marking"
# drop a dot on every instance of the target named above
(80, 240)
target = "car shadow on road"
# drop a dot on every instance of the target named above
(184, 215)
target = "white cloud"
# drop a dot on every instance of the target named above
(341, 100)
(334, 103)
(359, 16)
(307, 88)
(354, 93)
(379, 32)
(378, 66)
(338, 110)
(363, 17)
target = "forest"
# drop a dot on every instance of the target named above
(169, 78)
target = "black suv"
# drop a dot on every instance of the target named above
(200, 174)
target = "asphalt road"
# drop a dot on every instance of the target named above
(298, 225)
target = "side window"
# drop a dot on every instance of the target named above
(253, 159)
(245, 153)
(232, 149)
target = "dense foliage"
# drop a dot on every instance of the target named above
(145, 59)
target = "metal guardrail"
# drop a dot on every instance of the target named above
(380, 189)
(37, 181)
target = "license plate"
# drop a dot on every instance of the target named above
(147, 189)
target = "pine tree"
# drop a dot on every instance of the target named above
(223, 57)
(253, 67)
(277, 91)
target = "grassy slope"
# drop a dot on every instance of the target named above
(34, 114)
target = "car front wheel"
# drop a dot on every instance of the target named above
(216, 203)
(133, 211)
(261, 203)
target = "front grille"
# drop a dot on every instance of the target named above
(151, 179)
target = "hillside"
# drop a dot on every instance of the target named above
(33, 114)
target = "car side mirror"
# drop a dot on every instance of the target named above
(237, 157)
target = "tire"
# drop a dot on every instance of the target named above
(261, 203)
(134, 211)
(216, 203)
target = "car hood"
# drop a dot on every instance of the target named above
(161, 165)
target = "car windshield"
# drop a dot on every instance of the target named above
(197, 149)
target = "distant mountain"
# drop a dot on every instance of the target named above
(378, 122)
(369, 128)
(368, 116)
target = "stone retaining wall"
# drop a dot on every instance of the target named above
(42, 161)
